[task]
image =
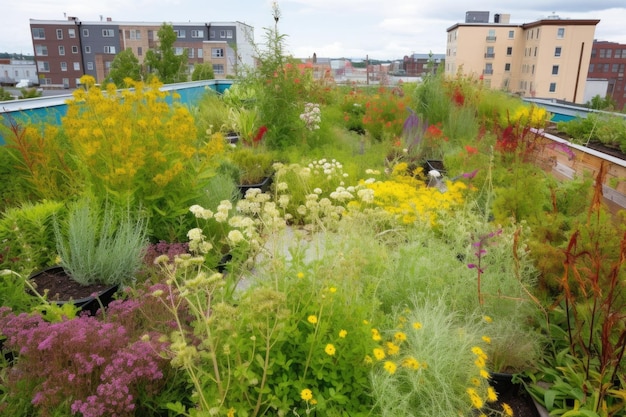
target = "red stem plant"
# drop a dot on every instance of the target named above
(592, 283)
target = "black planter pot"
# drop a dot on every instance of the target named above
(100, 297)
(434, 164)
(263, 186)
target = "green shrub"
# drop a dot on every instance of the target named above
(100, 245)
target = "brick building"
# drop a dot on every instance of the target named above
(608, 60)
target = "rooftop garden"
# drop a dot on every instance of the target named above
(404, 251)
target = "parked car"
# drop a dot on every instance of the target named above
(23, 84)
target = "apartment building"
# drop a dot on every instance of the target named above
(608, 60)
(547, 58)
(65, 50)
(14, 70)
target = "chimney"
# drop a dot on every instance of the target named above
(109, 19)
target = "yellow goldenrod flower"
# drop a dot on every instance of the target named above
(492, 395)
(477, 402)
(486, 339)
(417, 325)
(507, 409)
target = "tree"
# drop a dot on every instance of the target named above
(163, 61)
(125, 65)
(5, 95)
(202, 72)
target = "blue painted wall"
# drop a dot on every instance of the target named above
(52, 109)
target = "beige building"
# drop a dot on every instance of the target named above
(548, 58)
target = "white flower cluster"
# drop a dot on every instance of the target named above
(312, 116)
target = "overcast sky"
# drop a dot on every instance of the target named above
(380, 29)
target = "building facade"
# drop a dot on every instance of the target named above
(608, 60)
(14, 70)
(547, 58)
(65, 50)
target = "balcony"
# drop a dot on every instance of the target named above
(490, 55)
(488, 71)
(491, 38)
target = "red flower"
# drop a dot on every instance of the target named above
(458, 96)
(471, 150)
(262, 131)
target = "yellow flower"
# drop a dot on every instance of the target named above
(492, 395)
(480, 362)
(306, 394)
(486, 339)
(487, 319)
(376, 335)
(343, 333)
(379, 354)
(332, 290)
(475, 381)
(484, 374)
(231, 412)
(313, 401)
(400, 336)
(390, 367)
(312, 319)
(411, 363)
(329, 349)
(300, 275)
(507, 409)
(477, 402)
(392, 348)
(417, 325)
(479, 352)
(368, 360)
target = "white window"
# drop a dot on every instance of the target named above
(108, 33)
(107, 65)
(197, 34)
(190, 53)
(38, 33)
(71, 33)
(87, 49)
(218, 68)
(222, 34)
(178, 50)
(200, 53)
(552, 87)
(59, 33)
(511, 34)
(135, 34)
(560, 33)
(180, 33)
(74, 49)
(217, 52)
(109, 49)
(43, 66)
(139, 51)
(229, 34)
(90, 66)
(557, 51)
(76, 66)
(41, 50)
(61, 50)
(63, 66)
(555, 70)
(86, 33)
(66, 82)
